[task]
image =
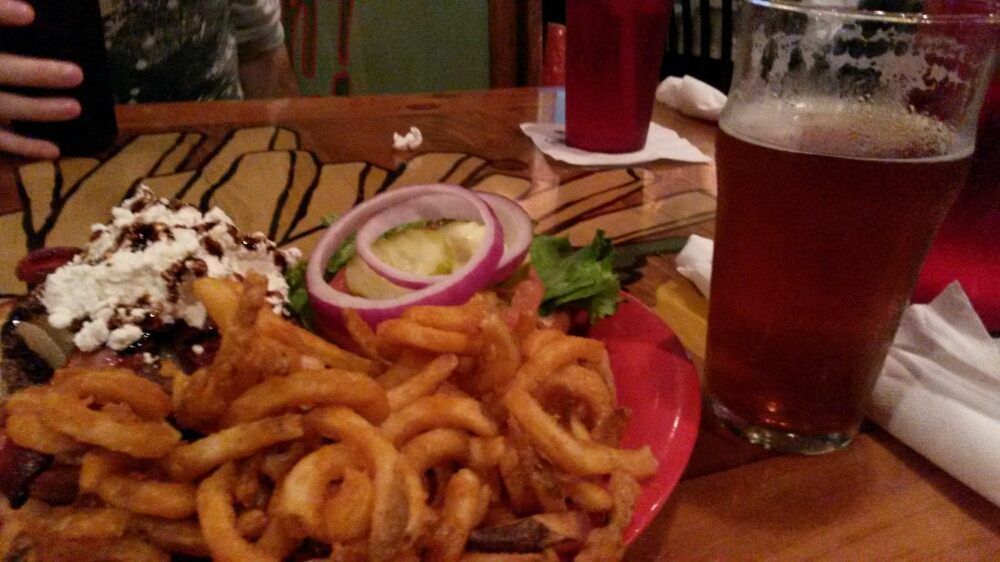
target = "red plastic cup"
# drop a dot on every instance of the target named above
(614, 49)
(554, 61)
(967, 246)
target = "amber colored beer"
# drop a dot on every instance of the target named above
(814, 261)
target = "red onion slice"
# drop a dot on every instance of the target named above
(419, 209)
(516, 226)
(328, 303)
(518, 231)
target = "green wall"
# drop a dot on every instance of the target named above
(392, 46)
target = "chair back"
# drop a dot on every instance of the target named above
(700, 43)
(515, 32)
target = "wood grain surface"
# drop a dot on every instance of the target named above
(281, 166)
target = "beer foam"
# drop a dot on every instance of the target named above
(857, 54)
(881, 79)
(836, 127)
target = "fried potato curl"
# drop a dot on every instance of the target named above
(458, 434)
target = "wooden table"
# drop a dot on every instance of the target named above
(281, 167)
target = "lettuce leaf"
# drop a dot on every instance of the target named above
(298, 297)
(577, 278)
(339, 259)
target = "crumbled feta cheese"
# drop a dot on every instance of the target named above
(92, 334)
(136, 273)
(120, 338)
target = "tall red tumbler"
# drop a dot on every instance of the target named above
(614, 50)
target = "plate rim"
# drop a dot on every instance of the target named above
(654, 336)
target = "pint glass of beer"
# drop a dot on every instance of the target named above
(846, 137)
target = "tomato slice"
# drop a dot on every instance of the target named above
(339, 282)
(37, 265)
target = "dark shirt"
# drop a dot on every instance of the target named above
(177, 50)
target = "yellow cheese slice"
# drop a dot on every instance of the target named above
(685, 310)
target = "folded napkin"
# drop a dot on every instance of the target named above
(939, 390)
(692, 97)
(662, 143)
(695, 262)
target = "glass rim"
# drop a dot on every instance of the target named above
(915, 18)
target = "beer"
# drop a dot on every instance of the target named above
(967, 246)
(846, 136)
(816, 256)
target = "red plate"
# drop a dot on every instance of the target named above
(660, 385)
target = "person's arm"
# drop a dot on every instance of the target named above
(18, 71)
(268, 75)
(265, 68)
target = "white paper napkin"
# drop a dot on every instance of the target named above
(695, 262)
(939, 390)
(692, 97)
(410, 141)
(662, 143)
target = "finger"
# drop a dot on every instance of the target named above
(38, 73)
(14, 107)
(15, 13)
(12, 143)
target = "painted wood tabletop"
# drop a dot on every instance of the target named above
(281, 167)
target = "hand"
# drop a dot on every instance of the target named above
(20, 71)
(268, 75)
